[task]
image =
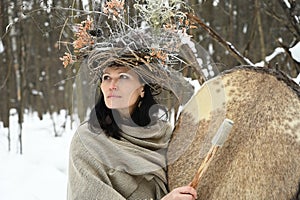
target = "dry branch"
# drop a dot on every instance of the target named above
(232, 50)
(291, 13)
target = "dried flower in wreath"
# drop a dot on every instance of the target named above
(83, 38)
(67, 59)
(114, 9)
(82, 43)
(168, 14)
(157, 53)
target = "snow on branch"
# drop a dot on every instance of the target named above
(297, 79)
(276, 52)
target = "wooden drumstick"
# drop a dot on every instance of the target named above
(217, 141)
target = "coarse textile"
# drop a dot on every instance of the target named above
(133, 167)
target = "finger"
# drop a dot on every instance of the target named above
(187, 197)
(188, 190)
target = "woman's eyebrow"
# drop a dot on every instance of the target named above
(125, 73)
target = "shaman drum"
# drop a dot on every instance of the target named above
(261, 157)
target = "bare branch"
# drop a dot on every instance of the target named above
(233, 51)
(291, 14)
(288, 52)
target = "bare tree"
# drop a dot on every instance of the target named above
(234, 32)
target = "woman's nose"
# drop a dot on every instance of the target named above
(113, 85)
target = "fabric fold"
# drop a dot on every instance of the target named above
(137, 161)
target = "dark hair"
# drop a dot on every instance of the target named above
(297, 197)
(105, 118)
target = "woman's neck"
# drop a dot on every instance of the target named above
(123, 116)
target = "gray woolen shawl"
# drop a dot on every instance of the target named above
(102, 167)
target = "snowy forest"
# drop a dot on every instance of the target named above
(33, 34)
(260, 33)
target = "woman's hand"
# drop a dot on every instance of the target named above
(181, 193)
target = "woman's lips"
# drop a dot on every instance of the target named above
(113, 96)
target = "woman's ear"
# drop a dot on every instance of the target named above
(142, 94)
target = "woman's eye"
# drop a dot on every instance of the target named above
(123, 76)
(105, 77)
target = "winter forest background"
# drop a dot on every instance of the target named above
(36, 91)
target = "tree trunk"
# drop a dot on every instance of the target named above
(260, 30)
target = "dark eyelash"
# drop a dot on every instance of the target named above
(105, 77)
(124, 76)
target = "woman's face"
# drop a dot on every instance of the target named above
(121, 88)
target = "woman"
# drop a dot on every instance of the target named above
(119, 153)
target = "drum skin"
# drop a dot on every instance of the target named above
(261, 157)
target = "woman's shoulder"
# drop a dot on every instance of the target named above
(85, 132)
(83, 126)
(87, 138)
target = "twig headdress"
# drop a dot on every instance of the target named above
(154, 43)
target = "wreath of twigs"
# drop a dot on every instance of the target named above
(150, 45)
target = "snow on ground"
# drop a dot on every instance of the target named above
(40, 173)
